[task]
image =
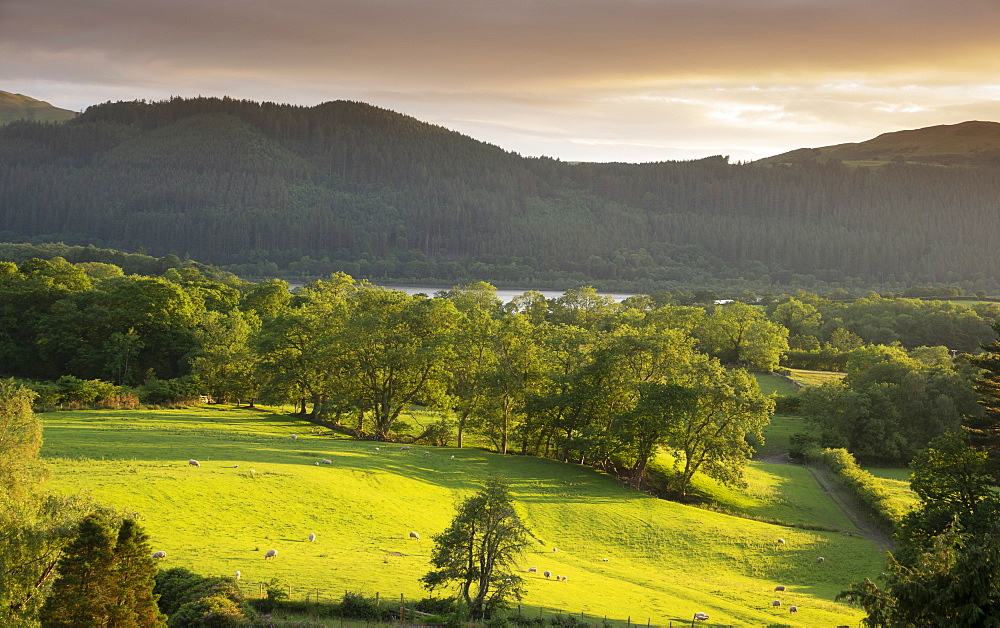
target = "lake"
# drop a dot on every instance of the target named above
(504, 294)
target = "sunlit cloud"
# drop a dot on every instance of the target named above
(630, 80)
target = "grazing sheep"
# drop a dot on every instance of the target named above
(159, 555)
(378, 449)
(820, 559)
(295, 436)
(532, 569)
(427, 453)
(605, 559)
(558, 577)
(547, 574)
(564, 578)
(312, 537)
(453, 456)
(780, 587)
(793, 609)
(238, 574)
(776, 603)
(316, 463)
(701, 616)
(781, 541)
(555, 549)
(325, 461)
(414, 535)
(404, 448)
(271, 554)
(194, 463)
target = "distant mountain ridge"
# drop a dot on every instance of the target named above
(266, 189)
(972, 143)
(20, 107)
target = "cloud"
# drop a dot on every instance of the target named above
(639, 78)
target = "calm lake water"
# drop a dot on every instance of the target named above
(504, 294)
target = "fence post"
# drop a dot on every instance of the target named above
(376, 599)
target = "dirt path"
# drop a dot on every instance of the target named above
(855, 516)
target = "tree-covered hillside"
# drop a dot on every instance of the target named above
(277, 189)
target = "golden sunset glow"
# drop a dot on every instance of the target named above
(622, 80)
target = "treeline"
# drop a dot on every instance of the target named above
(270, 189)
(578, 377)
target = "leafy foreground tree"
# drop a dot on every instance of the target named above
(33, 526)
(478, 552)
(946, 571)
(103, 582)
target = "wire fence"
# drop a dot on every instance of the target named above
(403, 612)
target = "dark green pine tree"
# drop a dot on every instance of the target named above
(984, 431)
(104, 583)
(133, 579)
(80, 596)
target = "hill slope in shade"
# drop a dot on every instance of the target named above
(665, 560)
(20, 107)
(972, 143)
(279, 190)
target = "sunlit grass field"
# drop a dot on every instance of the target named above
(258, 489)
(814, 378)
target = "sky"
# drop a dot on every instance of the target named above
(578, 80)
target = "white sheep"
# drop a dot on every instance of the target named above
(793, 609)
(427, 453)
(780, 587)
(781, 541)
(776, 603)
(194, 463)
(820, 559)
(414, 535)
(532, 569)
(377, 449)
(605, 559)
(312, 537)
(555, 549)
(238, 574)
(159, 555)
(271, 554)
(404, 448)
(325, 461)
(453, 456)
(547, 573)
(316, 463)
(295, 436)
(564, 578)
(558, 577)
(701, 616)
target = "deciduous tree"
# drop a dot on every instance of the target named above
(478, 551)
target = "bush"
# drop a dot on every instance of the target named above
(356, 606)
(193, 600)
(439, 433)
(215, 611)
(436, 605)
(865, 489)
(787, 404)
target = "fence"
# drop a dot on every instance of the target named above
(406, 615)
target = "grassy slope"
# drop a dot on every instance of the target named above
(666, 560)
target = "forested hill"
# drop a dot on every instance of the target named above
(267, 189)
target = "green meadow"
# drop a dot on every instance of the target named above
(258, 489)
